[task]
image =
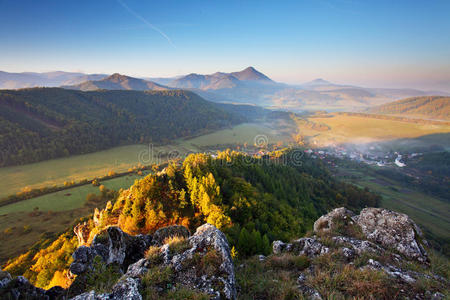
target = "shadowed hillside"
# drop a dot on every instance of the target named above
(44, 123)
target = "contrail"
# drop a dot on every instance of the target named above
(146, 22)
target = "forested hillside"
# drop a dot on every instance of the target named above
(430, 107)
(43, 123)
(254, 200)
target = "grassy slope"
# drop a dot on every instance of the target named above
(435, 107)
(355, 129)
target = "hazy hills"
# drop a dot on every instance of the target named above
(247, 86)
(117, 82)
(43, 123)
(49, 79)
(431, 107)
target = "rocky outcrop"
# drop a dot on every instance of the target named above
(327, 222)
(388, 229)
(21, 288)
(393, 230)
(310, 247)
(118, 247)
(188, 265)
(191, 266)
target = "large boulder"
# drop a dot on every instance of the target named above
(393, 230)
(328, 222)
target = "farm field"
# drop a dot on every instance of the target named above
(357, 130)
(68, 199)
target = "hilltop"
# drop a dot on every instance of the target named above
(117, 82)
(430, 107)
(44, 123)
(264, 238)
(253, 200)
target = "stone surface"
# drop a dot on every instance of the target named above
(392, 230)
(357, 246)
(82, 260)
(310, 247)
(207, 236)
(326, 222)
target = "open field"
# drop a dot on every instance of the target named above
(431, 213)
(68, 199)
(120, 159)
(357, 130)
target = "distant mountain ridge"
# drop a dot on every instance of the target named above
(430, 107)
(118, 82)
(48, 79)
(219, 80)
(248, 86)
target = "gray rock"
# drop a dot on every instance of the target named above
(126, 288)
(21, 288)
(310, 247)
(207, 236)
(326, 222)
(437, 296)
(5, 278)
(82, 260)
(392, 230)
(278, 247)
(392, 271)
(117, 245)
(357, 246)
(138, 269)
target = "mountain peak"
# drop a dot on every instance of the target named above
(116, 77)
(250, 73)
(318, 81)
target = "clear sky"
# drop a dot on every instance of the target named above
(373, 43)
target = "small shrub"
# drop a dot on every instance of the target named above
(177, 244)
(210, 263)
(156, 281)
(153, 255)
(157, 276)
(102, 277)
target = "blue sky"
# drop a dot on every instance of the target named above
(372, 43)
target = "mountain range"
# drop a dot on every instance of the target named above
(48, 79)
(248, 86)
